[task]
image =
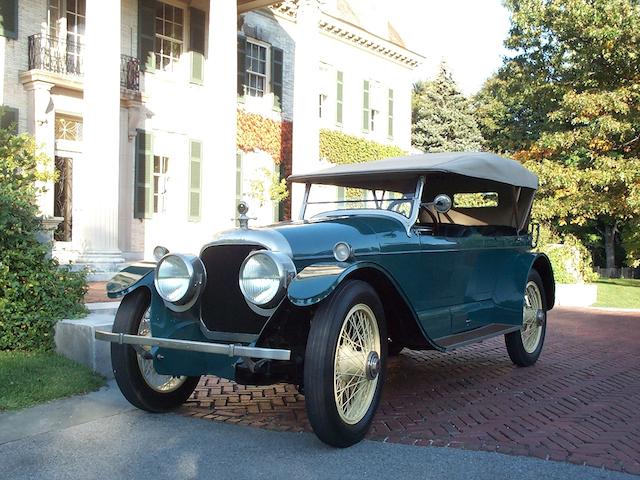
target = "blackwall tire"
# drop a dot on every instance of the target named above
(128, 364)
(343, 379)
(525, 345)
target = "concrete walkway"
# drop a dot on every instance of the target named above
(101, 436)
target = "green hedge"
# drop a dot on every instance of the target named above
(34, 291)
(340, 148)
(570, 259)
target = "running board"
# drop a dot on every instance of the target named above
(458, 340)
(230, 350)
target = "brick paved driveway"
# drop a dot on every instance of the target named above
(580, 403)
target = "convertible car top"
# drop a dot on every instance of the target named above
(392, 173)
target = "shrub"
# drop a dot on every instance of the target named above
(570, 259)
(338, 147)
(35, 291)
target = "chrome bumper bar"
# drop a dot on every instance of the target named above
(205, 347)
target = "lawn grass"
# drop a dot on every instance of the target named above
(618, 293)
(28, 378)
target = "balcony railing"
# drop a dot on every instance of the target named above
(54, 54)
(129, 72)
(59, 55)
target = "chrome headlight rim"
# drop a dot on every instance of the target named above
(197, 279)
(286, 273)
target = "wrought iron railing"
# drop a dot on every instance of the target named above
(129, 72)
(58, 55)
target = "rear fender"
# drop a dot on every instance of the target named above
(131, 278)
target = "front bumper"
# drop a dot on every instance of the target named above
(230, 350)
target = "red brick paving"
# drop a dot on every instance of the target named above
(580, 403)
(97, 293)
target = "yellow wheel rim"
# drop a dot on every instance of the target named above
(531, 330)
(357, 364)
(156, 381)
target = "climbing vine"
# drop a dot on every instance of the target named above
(256, 132)
(338, 147)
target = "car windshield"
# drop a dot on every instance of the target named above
(328, 199)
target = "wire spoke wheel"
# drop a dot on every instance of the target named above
(531, 331)
(156, 381)
(356, 364)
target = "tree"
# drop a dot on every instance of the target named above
(442, 117)
(567, 103)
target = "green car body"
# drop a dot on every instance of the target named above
(441, 287)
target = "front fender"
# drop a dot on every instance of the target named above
(132, 277)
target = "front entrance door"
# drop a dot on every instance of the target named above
(63, 192)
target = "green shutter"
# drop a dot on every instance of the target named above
(366, 111)
(390, 111)
(9, 119)
(339, 97)
(277, 62)
(147, 34)
(195, 180)
(196, 44)
(242, 68)
(143, 191)
(9, 18)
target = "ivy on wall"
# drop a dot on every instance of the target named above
(340, 148)
(256, 132)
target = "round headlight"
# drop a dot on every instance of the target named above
(178, 278)
(264, 276)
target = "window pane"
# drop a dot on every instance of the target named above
(166, 164)
(156, 164)
(178, 16)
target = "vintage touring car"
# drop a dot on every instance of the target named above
(429, 251)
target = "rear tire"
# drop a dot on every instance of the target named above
(525, 345)
(345, 364)
(138, 387)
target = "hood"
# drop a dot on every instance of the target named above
(314, 239)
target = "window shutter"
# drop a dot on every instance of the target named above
(9, 18)
(339, 96)
(277, 61)
(147, 33)
(366, 111)
(242, 68)
(196, 44)
(390, 112)
(143, 188)
(9, 119)
(195, 180)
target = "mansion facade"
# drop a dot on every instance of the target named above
(161, 115)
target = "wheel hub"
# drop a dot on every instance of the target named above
(372, 367)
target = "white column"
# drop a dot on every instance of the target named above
(41, 124)
(306, 140)
(219, 112)
(96, 197)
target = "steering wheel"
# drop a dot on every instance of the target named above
(433, 218)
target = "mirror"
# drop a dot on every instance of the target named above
(442, 203)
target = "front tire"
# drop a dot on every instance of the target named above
(140, 384)
(345, 364)
(525, 345)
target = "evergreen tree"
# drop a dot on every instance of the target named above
(442, 118)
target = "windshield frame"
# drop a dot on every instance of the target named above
(408, 222)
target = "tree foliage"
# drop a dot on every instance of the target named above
(442, 118)
(567, 104)
(34, 291)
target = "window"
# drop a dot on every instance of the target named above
(475, 200)
(68, 17)
(169, 35)
(160, 165)
(322, 100)
(256, 69)
(9, 18)
(373, 118)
